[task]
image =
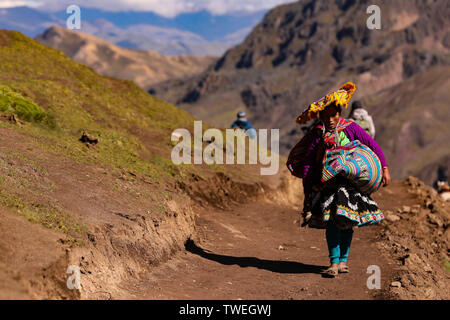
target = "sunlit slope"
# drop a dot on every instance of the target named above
(143, 67)
(71, 98)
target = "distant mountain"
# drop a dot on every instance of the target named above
(165, 41)
(143, 67)
(211, 28)
(197, 33)
(304, 50)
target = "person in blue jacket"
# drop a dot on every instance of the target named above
(243, 124)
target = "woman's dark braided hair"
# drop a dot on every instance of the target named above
(337, 106)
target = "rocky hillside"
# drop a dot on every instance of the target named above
(416, 236)
(301, 51)
(412, 122)
(143, 67)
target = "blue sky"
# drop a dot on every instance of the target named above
(168, 8)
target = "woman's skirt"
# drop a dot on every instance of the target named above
(341, 201)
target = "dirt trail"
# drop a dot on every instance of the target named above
(237, 255)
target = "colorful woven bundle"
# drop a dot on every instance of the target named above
(341, 97)
(356, 162)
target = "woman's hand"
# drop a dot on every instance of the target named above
(386, 177)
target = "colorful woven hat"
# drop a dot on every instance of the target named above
(341, 97)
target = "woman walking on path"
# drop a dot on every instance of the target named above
(340, 166)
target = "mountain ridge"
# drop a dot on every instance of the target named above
(143, 67)
(304, 50)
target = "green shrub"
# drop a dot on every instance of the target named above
(14, 103)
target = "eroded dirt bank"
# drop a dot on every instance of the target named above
(128, 250)
(115, 226)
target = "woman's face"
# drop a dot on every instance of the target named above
(330, 117)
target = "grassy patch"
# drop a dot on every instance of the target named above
(48, 215)
(447, 265)
(24, 190)
(165, 165)
(12, 102)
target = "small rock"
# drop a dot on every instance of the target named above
(396, 284)
(91, 237)
(87, 139)
(281, 248)
(403, 259)
(415, 259)
(392, 218)
(434, 220)
(406, 209)
(429, 293)
(427, 269)
(430, 205)
(13, 118)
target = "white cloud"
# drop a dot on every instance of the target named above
(17, 3)
(168, 8)
(225, 6)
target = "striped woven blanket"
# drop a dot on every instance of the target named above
(356, 162)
